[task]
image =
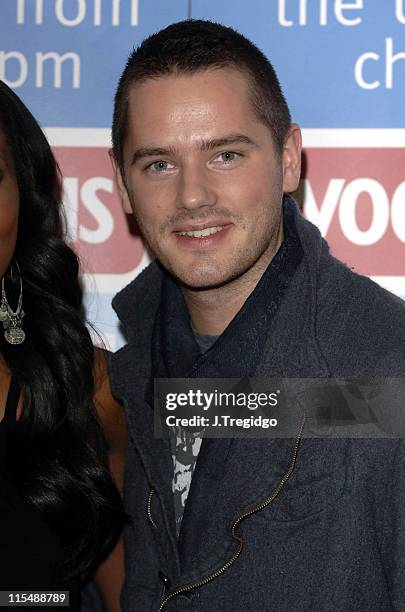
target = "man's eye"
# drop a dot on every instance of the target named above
(159, 166)
(228, 156)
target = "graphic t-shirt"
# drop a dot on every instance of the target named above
(185, 448)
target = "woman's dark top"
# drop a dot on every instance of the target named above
(30, 553)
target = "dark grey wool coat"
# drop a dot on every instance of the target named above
(333, 539)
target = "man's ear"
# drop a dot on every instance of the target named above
(292, 159)
(125, 203)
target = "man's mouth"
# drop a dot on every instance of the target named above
(202, 233)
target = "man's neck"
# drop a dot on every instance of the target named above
(212, 310)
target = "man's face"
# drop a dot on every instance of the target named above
(203, 176)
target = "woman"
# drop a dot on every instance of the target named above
(60, 512)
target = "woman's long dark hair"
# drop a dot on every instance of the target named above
(58, 454)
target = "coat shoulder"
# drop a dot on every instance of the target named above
(359, 325)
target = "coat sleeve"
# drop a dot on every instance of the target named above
(392, 523)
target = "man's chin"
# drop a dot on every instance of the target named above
(201, 286)
(203, 280)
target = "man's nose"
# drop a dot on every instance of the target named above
(195, 189)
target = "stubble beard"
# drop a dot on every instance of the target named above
(240, 268)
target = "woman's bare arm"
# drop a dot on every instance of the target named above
(109, 576)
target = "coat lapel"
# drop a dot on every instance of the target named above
(130, 369)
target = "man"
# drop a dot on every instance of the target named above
(243, 286)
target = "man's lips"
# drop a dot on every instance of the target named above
(201, 230)
(196, 236)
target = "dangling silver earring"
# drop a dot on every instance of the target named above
(12, 319)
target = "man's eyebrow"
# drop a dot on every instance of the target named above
(204, 145)
(231, 139)
(151, 152)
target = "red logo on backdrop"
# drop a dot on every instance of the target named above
(357, 199)
(355, 196)
(101, 235)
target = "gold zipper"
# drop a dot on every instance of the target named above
(245, 515)
(150, 517)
